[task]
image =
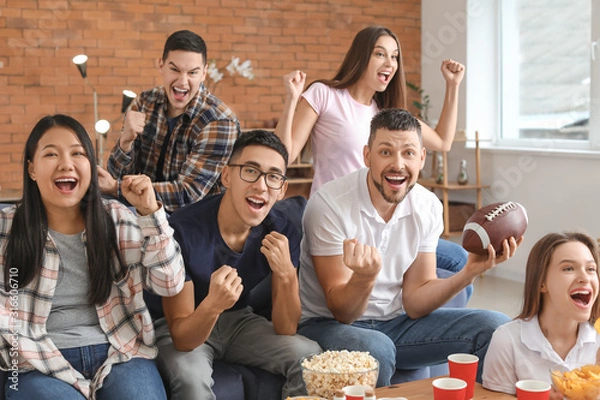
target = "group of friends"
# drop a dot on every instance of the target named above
(99, 302)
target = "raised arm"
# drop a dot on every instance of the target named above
(441, 138)
(202, 167)
(152, 246)
(298, 117)
(191, 327)
(348, 280)
(122, 159)
(423, 292)
(284, 284)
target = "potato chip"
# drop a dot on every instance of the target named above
(597, 325)
(578, 384)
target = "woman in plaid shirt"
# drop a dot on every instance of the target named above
(73, 322)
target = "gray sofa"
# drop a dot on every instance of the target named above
(237, 382)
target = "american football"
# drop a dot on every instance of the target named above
(492, 224)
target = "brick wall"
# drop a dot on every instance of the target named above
(123, 40)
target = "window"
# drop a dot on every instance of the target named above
(550, 85)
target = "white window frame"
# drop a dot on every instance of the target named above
(485, 100)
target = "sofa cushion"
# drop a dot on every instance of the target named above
(229, 382)
(258, 384)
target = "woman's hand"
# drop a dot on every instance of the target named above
(453, 71)
(139, 192)
(294, 84)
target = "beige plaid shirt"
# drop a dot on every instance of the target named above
(154, 262)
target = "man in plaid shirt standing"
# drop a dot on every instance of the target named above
(178, 134)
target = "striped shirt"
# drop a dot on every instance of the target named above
(154, 262)
(196, 152)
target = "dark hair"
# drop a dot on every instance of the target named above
(537, 270)
(29, 231)
(356, 62)
(259, 137)
(187, 41)
(394, 119)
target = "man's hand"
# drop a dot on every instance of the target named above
(225, 288)
(106, 183)
(294, 84)
(276, 249)
(139, 192)
(478, 264)
(453, 71)
(363, 259)
(133, 126)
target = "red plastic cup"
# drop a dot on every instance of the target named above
(533, 390)
(449, 389)
(464, 366)
(355, 392)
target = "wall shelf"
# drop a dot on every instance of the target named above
(446, 187)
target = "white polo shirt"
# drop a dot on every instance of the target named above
(519, 350)
(342, 209)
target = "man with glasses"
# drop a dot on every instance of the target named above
(231, 243)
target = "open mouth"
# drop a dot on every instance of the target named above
(384, 77)
(255, 203)
(581, 297)
(395, 180)
(179, 94)
(66, 184)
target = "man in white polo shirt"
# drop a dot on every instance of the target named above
(368, 265)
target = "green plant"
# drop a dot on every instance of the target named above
(424, 104)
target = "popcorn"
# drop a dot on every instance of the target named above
(326, 372)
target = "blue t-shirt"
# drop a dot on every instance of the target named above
(204, 250)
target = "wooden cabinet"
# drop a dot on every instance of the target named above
(447, 186)
(300, 177)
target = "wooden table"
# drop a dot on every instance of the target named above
(422, 390)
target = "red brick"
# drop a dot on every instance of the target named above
(12, 11)
(124, 39)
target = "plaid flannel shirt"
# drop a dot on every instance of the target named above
(198, 148)
(154, 262)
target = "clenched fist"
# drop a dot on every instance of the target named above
(225, 287)
(276, 249)
(361, 258)
(453, 71)
(294, 83)
(139, 192)
(133, 126)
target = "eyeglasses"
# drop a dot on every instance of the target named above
(251, 174)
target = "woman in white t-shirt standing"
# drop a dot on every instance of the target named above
(336, 113)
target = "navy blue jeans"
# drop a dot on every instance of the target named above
(407, 343)
(452, 257)
(137, 378)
